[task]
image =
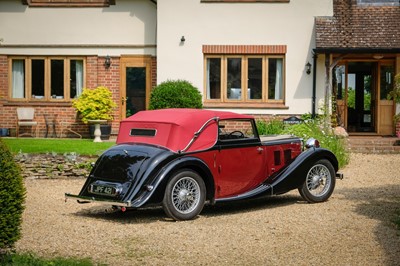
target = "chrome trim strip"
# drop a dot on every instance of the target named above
(83, 199)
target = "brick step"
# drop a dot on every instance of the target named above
(380, 145)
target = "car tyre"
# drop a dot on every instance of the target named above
(319, 183)
(184, 195)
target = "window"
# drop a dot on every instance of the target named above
(386, 79)
(244, 79)
(46, 78)
(234, 129)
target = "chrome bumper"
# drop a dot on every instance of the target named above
(82, 199)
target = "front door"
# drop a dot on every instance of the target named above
(135, 84)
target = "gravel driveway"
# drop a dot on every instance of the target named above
(353, 228)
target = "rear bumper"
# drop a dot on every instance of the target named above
(83, 199)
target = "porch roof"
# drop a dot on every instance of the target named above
(359, 28)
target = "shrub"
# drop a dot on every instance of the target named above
(272, 127)
(315, 128)
(95, 104)
(12, 197)
(175, 94)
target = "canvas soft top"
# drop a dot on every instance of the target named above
(174, 128)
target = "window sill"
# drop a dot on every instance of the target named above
(37, 103)
(67, 3)
(246, 105)
(245, 1)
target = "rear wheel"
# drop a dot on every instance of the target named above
(319, 183)
(184, 195)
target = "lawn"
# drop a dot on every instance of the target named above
(59, 146)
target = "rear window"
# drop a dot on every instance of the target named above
(142, 132)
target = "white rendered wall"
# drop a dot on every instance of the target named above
(123, 28)
(290, 24)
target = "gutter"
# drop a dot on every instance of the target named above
(314, 85)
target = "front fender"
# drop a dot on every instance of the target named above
(294, 175)
(154, 192)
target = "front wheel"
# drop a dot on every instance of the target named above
(319, 183)
(184, 195)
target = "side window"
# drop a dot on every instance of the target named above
(233, 129)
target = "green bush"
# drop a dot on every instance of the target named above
(175, 94)
(12, 197)
(272, 127)
(315, 128)
(95, 104)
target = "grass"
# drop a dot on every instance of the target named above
(59, 146)
(32, 260)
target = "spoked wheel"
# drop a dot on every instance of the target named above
(184, 195)
(319, 183)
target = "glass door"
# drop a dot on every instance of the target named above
(135, 90)
(361, 97)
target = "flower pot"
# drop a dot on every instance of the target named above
(105, 131)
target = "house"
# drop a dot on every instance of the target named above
(260, 57)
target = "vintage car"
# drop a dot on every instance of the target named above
(184, 158)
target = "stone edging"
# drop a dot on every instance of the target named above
(52, 166)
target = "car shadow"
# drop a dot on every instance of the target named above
(156, 214)
(381, 203)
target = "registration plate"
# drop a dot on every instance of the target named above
(103, 190)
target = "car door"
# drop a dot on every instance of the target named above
(240, 158)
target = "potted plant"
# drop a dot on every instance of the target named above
(395, 95)
(96, 104)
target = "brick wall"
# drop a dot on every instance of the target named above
(96, 75)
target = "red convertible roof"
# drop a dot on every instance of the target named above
(173, 128)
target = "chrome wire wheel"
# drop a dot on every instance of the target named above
(318, 180)
(319, 183)
(186, 195)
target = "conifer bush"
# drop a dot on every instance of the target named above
(175, 94)
(12, 198)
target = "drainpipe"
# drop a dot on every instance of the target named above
(314, 85)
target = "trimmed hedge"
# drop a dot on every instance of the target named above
(12, 198)
(175, 94)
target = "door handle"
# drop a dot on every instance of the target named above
(260, 150)
(123, 99)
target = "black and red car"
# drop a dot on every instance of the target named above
(184, 158)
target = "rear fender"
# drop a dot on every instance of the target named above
(159, 183)
(294, 175)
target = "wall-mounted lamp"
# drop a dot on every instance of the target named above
(107, 62)
(308, 68)
(377, 56)
(183, 39)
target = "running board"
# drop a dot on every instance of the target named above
(255, 192)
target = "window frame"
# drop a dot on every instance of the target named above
(47, 78)
(264, 102)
